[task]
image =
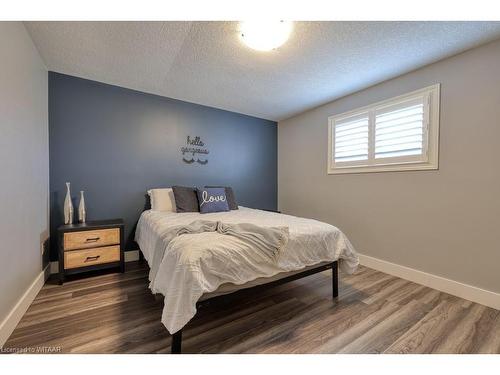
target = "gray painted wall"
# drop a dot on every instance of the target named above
(444, 222)
(116, 143)
(24, 163)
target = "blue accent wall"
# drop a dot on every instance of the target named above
(115, 144)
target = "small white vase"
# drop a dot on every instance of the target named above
(68, 206)
(82, 211)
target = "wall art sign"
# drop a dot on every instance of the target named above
(194, 151)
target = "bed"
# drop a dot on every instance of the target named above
(192, 270)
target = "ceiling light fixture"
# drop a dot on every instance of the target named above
(265, 35)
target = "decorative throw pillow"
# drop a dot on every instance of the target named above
(162, 199)
(212, 200)
(186, 199)
(231, 200)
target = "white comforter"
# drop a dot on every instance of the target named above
(195, 264)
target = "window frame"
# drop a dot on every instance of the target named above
(428, 160)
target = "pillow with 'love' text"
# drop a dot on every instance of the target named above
(212, 200)
(231, 200)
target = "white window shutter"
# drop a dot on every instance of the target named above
(400, 129)
(351, 139)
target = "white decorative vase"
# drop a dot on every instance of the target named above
(82, 211)
(68, 206)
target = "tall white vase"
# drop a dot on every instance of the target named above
(68, 206)
(82, 211)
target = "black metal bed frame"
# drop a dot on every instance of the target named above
(176, 344)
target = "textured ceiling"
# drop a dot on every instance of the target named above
(205, 62)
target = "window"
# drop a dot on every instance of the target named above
(398, 134)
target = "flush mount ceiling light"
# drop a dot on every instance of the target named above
(265, 35)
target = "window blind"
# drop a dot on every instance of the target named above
(399, 130)
(351, 139)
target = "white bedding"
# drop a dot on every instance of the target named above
(196, 264)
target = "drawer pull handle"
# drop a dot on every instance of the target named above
(92, 239)
(92, 258)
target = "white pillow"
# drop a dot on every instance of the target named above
(162, 199)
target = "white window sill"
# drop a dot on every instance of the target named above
(383, 168)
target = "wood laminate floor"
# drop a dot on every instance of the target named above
(375, 313)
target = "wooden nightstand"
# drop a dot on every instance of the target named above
(90, 246)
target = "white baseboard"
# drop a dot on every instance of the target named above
(10, 322)
(130, 256)
(468, 292)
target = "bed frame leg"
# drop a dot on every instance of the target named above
(335, 280)
(175, 347)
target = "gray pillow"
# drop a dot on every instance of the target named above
(186, 199)
(231, 200)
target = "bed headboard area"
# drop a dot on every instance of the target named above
(115, 144)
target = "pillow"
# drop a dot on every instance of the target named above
(212, 200)
(162, 199)
(186, 199)
(231, 200)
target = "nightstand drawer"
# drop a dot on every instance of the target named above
(91, 238)
(89, 257)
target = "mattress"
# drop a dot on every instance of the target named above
(302, 249)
